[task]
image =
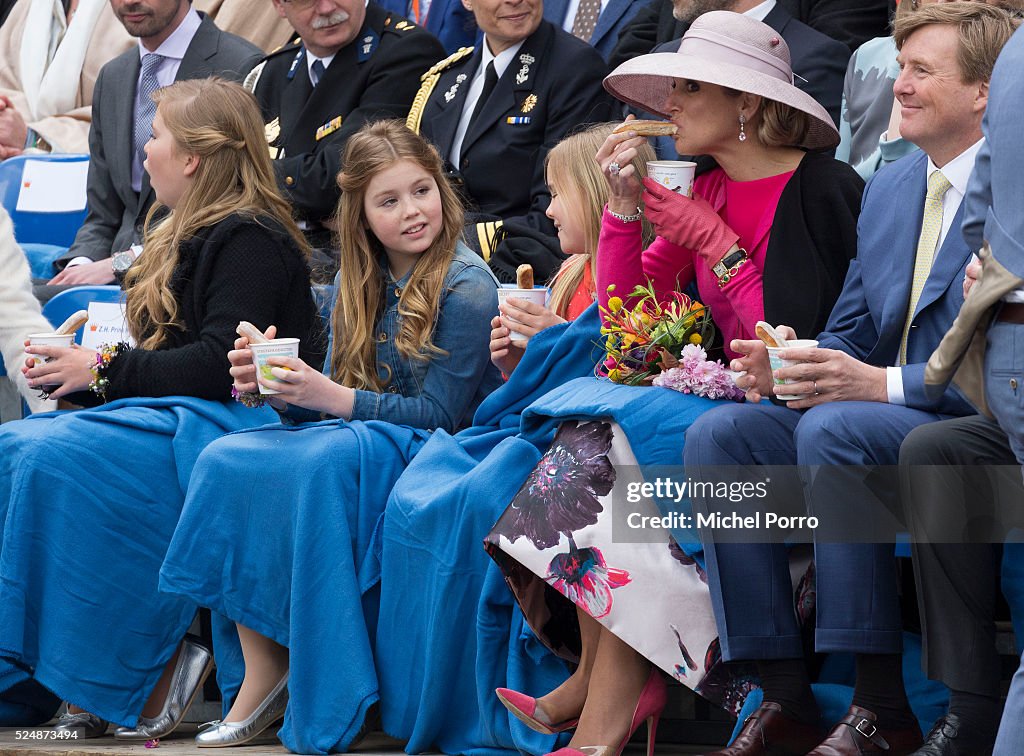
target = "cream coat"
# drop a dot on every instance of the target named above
(254, 20)
(69, 131)
(19, 311)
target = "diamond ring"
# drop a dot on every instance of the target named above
(614, 168)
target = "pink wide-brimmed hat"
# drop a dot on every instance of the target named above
(731, 50)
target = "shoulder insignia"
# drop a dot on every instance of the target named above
(253, 77)
(430, 79)
(292, 41)
(396, 23)
(455, 57)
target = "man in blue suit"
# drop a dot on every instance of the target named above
(598, 22)
(863, 392)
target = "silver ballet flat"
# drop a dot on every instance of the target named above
(270, 710)
(81, 725)
(191, 670)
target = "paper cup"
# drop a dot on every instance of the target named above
(50, 339)
(777, 363)
(536, 295)
(677, 175)
(276, 348)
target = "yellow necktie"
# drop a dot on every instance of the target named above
(931, 227)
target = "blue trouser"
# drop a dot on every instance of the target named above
(751, 590)
(1004, 384)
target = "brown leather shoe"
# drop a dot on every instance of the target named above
(856, 734)
(769, 732)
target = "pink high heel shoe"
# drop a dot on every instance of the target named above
(648, 708)
(524, 708)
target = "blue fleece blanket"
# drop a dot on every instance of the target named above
(276, 534)
(449, 630)
(91, 499)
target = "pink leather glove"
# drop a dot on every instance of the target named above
(690, 223)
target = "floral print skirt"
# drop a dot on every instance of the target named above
(561, 538)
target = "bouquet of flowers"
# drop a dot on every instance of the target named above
(663, 344)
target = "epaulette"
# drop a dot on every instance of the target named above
(401, 24)
(253, 77)
(430, 79)
(290, 46)
(455, 57)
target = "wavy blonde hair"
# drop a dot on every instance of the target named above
(374, 148)
(220, 123)
(573, 172)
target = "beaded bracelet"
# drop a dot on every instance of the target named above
(104, 356)
(250, 399)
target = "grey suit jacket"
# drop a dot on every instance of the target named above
(116, 212)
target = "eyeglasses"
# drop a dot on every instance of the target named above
(300, 4)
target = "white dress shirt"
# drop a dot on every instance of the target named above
(958, 172)
(311, 59)
(758, 12)
(501, 62)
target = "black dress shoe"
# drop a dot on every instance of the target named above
(949, 737)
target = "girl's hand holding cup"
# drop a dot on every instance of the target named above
(242, 368)
(58, 370)
(526, 318)
(296, 383)
(505, 353)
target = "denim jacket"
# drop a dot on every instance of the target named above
(442, 392)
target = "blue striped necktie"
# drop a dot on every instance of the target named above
(146, 109)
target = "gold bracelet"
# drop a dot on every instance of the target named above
(731, 273)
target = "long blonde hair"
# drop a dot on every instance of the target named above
(361, 286)
(219, 122)
(572, 170)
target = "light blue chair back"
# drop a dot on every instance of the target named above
(65, 304)
(57, 228)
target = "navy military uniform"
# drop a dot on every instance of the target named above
(373, 77)
(552, 86)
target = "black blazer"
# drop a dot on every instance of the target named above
(375, 76)
(116, 212)
(813, 239)
(238, 269)
(552, 86)
(852, 22)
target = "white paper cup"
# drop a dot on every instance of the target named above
(50, 339)
(276, 348)
(536, 295)
(777, 363)
(676, 175)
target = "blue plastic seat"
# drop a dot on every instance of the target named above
(65, 304)
(57, 228)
